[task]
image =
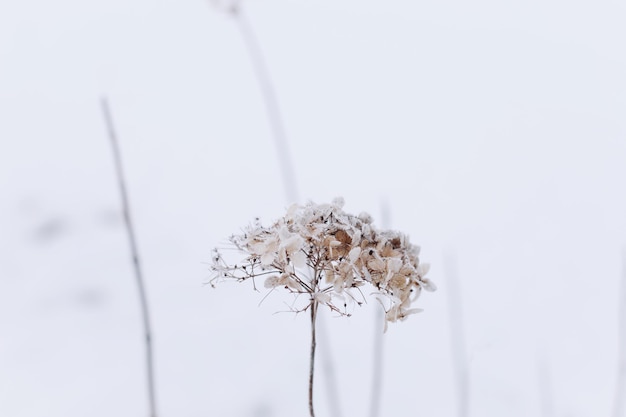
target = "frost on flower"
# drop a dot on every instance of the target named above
(321, 251)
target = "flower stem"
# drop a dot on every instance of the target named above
(379, 326)
(271, 102)
(143, 298)
(312, 367)
(620, 385)
(457, 331)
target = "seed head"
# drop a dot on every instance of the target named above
(319, 250)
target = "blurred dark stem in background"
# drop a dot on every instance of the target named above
(379, 326)
(271, 102)
(620, 384)
(544, 383)
(143, 300)
(457, 333)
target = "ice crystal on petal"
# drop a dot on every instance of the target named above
(322, 251)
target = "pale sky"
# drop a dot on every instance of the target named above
(492, 131)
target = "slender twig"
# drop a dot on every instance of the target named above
(545, 385)
(620, 384)
(143, 299)
(457, 336)
(332, 390)
(377, 374)
(271, 103)
(312, 359)
(379, 325)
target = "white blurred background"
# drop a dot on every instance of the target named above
(493, 132)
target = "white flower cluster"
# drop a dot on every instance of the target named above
(328, 254)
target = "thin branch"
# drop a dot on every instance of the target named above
(312, 359)
(379, 326)
(545, 385)
(143, 300)
(377, 377)
(620, 384)
(457, 336)
(271, 103)
(332, 390)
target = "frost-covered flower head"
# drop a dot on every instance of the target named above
(327, 254)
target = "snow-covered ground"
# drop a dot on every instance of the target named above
(493, 131)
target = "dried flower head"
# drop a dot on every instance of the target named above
(327, 254)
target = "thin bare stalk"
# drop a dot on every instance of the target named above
(377, 374)
(457, 336)
(620, 384)
(545, 385)
(312, 360)
(379, 325)
(332, 390)
(143, 299)
(271, 103)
